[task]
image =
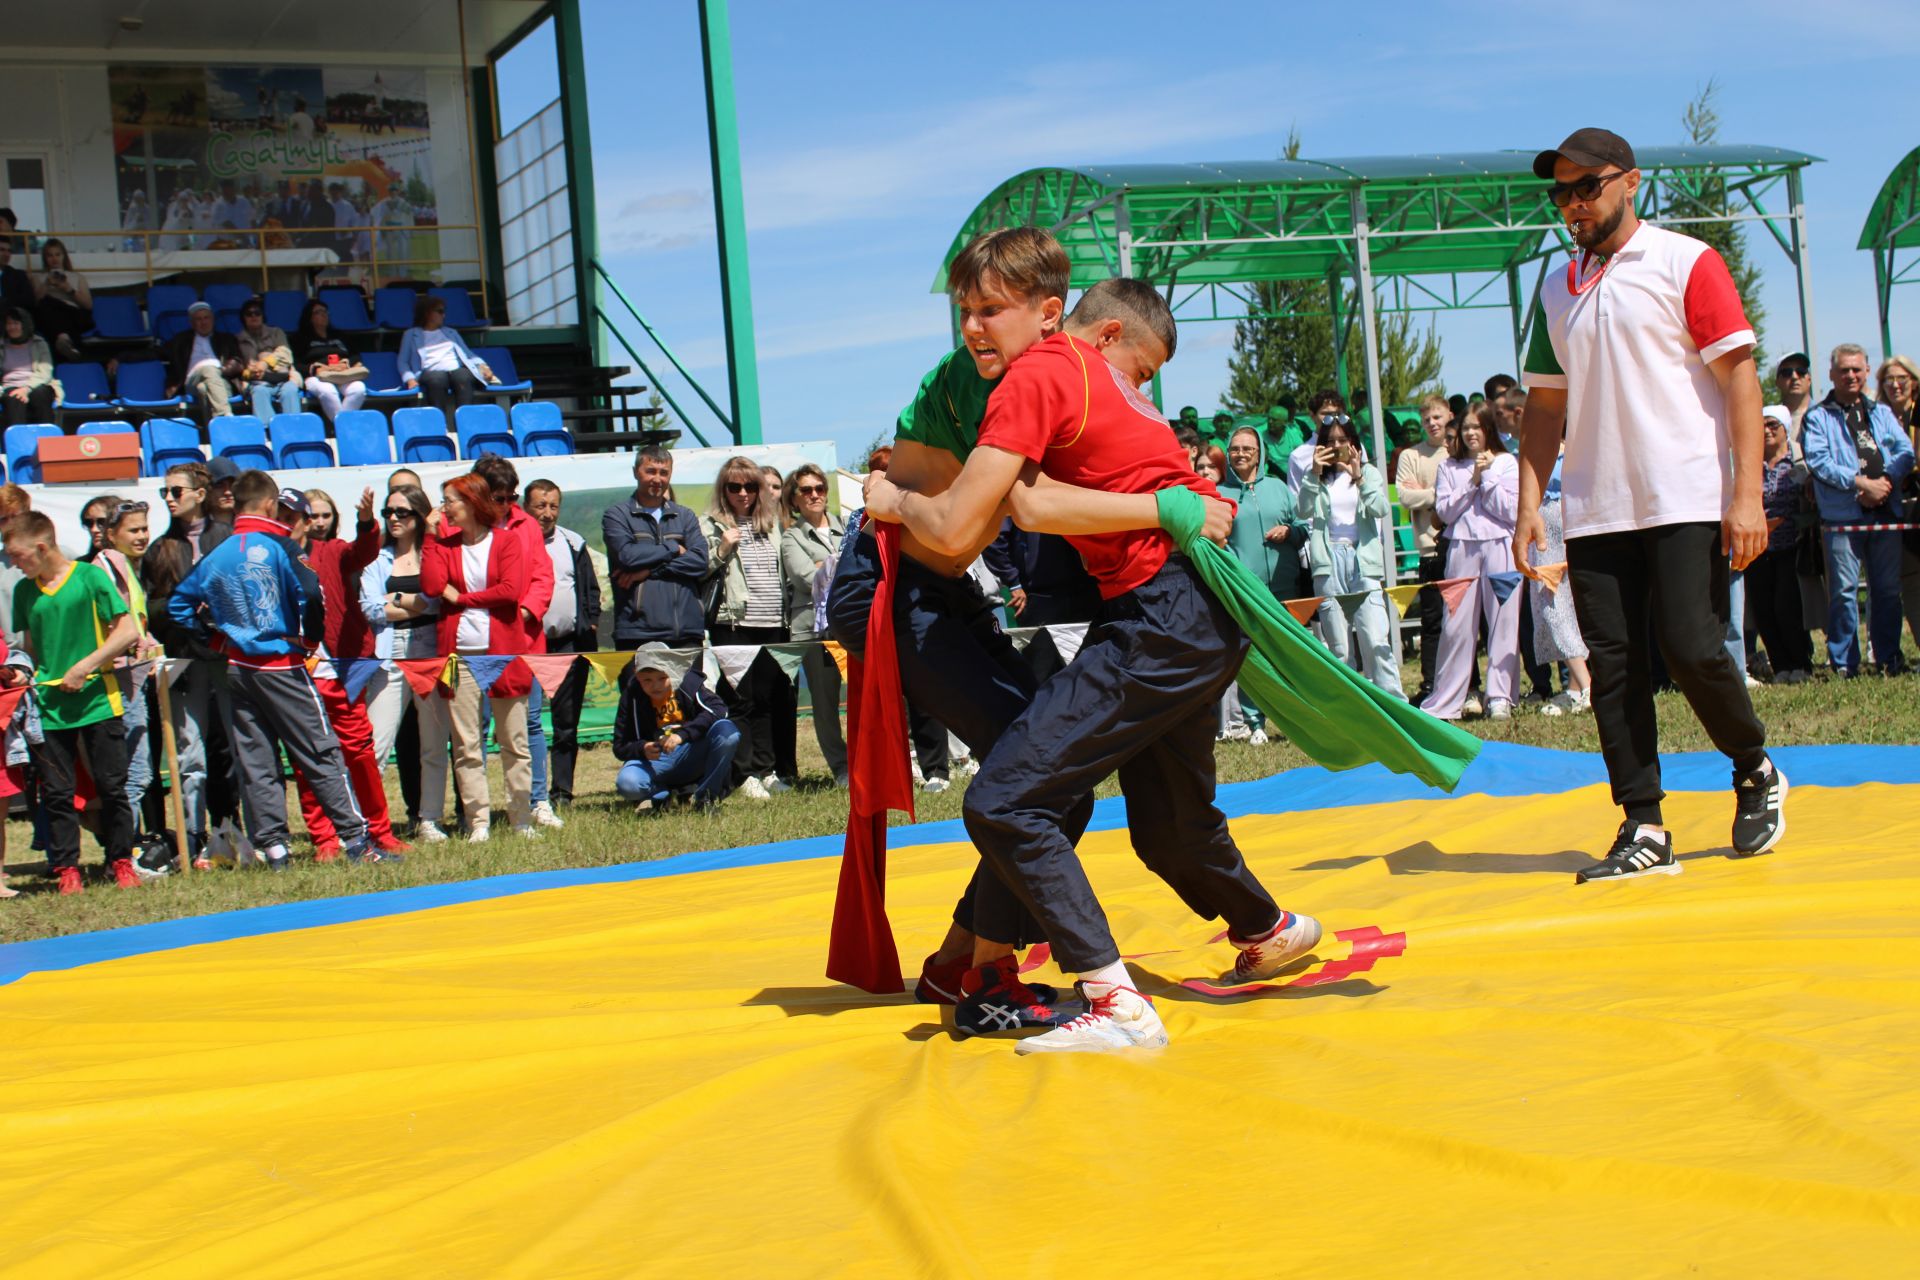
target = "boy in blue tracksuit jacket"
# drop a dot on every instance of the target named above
(259, 603)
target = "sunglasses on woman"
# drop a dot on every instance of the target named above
(1334, 420)
(733, 487)
(400, 513)
(173, 491)
(810, 490)
(1584, 189)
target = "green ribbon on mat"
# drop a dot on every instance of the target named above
(1323, 706)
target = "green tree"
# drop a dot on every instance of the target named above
(1705, 196)
(1284, 350)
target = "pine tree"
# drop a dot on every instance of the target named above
(1702, 123)
(1283, 350)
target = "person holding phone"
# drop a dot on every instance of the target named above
(1345, 501)
(1475, 494)
(62, 302)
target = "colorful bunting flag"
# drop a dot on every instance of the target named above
(487, 668)
(354, 678)
(1550, 575)
(1067, 638)
(1503, 583)
(550, 669)
(788, 657)
(608, 666)
(1454, 590)
(1304, 608)
(1404, 595)
(838, 653)
(734, 659)
(424, 675)
(1350, 601)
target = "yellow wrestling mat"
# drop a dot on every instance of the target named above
(1708, 1074)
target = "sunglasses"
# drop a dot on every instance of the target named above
(1792, 371)
(173, 490)
(128, 508)
(1334, 420)
(1585, 189)
(400, 513)
(811, 490)
(95, 522)
(732, 487)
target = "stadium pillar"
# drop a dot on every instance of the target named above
(1376, 406)
(1797, 221)
(1519, 320)
(730, 224)
(1339, 332)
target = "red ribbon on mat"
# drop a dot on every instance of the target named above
(861, 952)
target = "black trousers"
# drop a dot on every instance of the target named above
(929, 739)
(1433, 617)
(757, 705)
(448, 390)
(406, 758)
(103, 746)
(1141, 698)
(1669, 582)
(37, 407)
(1773, 602)
(563, 746)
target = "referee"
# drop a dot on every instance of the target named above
(1642, 358)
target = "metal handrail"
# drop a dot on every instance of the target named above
(612, 284)
(654, 381)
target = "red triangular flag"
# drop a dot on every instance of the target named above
(1304, 608)
(861, 951)
(423, 674)
(1454, 590)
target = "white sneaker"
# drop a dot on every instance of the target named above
(1753, 683)
(427, 831)
(1583, 700)
(1558, 705)
(972, 767)
(543, 815)
(934, 786)
(1473, 706)
(1259, 738)
(1116, 1020)
(1236, 733)
(1500, 709)
(527, 831)
(754, 789)
(1262, 958)
(775, 784)
(478, 833)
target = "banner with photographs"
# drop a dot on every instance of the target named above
(334, 158)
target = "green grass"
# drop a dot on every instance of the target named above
(602, 830)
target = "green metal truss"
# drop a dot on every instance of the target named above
(1893, 226)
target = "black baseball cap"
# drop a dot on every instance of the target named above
(1588, 148)
(296, 501)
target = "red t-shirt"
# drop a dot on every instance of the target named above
(1063, 406)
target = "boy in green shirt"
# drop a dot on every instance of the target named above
(74, 624)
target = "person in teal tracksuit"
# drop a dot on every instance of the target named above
(1269, 537)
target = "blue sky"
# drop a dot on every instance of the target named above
(869, 131)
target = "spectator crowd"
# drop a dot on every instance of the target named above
(324, 631)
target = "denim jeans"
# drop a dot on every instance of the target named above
(1880, 553)
(707, 762)
(266, 395)
(537, 741)
(139, 741)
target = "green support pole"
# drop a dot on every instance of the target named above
(1158, 401)
(736, 292)
(569, 45)
(1339, 332)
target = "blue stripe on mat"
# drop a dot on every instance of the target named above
(1503, 769)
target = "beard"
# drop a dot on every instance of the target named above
(1598, 232)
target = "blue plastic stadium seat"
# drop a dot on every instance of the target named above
(540, 432)
(117, 317)
(500, 360)
(283, 308)
(362, 437)
(393, 307)
(23, 450)
(111, 427)
(346, 310)
(166, 441)
(483, 428)
(226, 297)
(420, 435)
(86, 391)
(383, 379)
(142, 385)
(241, 437)
(300, 440)
(167, 309)
(460, 313)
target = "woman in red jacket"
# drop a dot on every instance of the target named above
(480, 579)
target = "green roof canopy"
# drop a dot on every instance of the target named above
(1894, 224)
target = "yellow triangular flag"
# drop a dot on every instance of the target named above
(839, 656)
(610, 665)
(1404, 595)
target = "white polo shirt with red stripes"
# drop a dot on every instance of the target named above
(1629, 340)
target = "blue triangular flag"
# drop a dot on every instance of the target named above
(355, 678)
(487, 667)
(1503, 584)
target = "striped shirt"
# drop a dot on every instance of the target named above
(760, 560)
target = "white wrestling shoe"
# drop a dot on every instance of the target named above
(1116, 1021)
(1263, 957)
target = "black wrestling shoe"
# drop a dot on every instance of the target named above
(993, 999)
(1634, 853)
(1759, 810)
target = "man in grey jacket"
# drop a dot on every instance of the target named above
(657, 558)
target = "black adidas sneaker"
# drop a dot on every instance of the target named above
(1759, 810)
(1635, 852)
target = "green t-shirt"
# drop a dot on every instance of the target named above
(64, 624)
(1541, 357)
(946, 412)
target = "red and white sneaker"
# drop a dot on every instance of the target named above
(1263, 957)
(70, 880)
(1118, 1019)
(940, 980)
(124, 874)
